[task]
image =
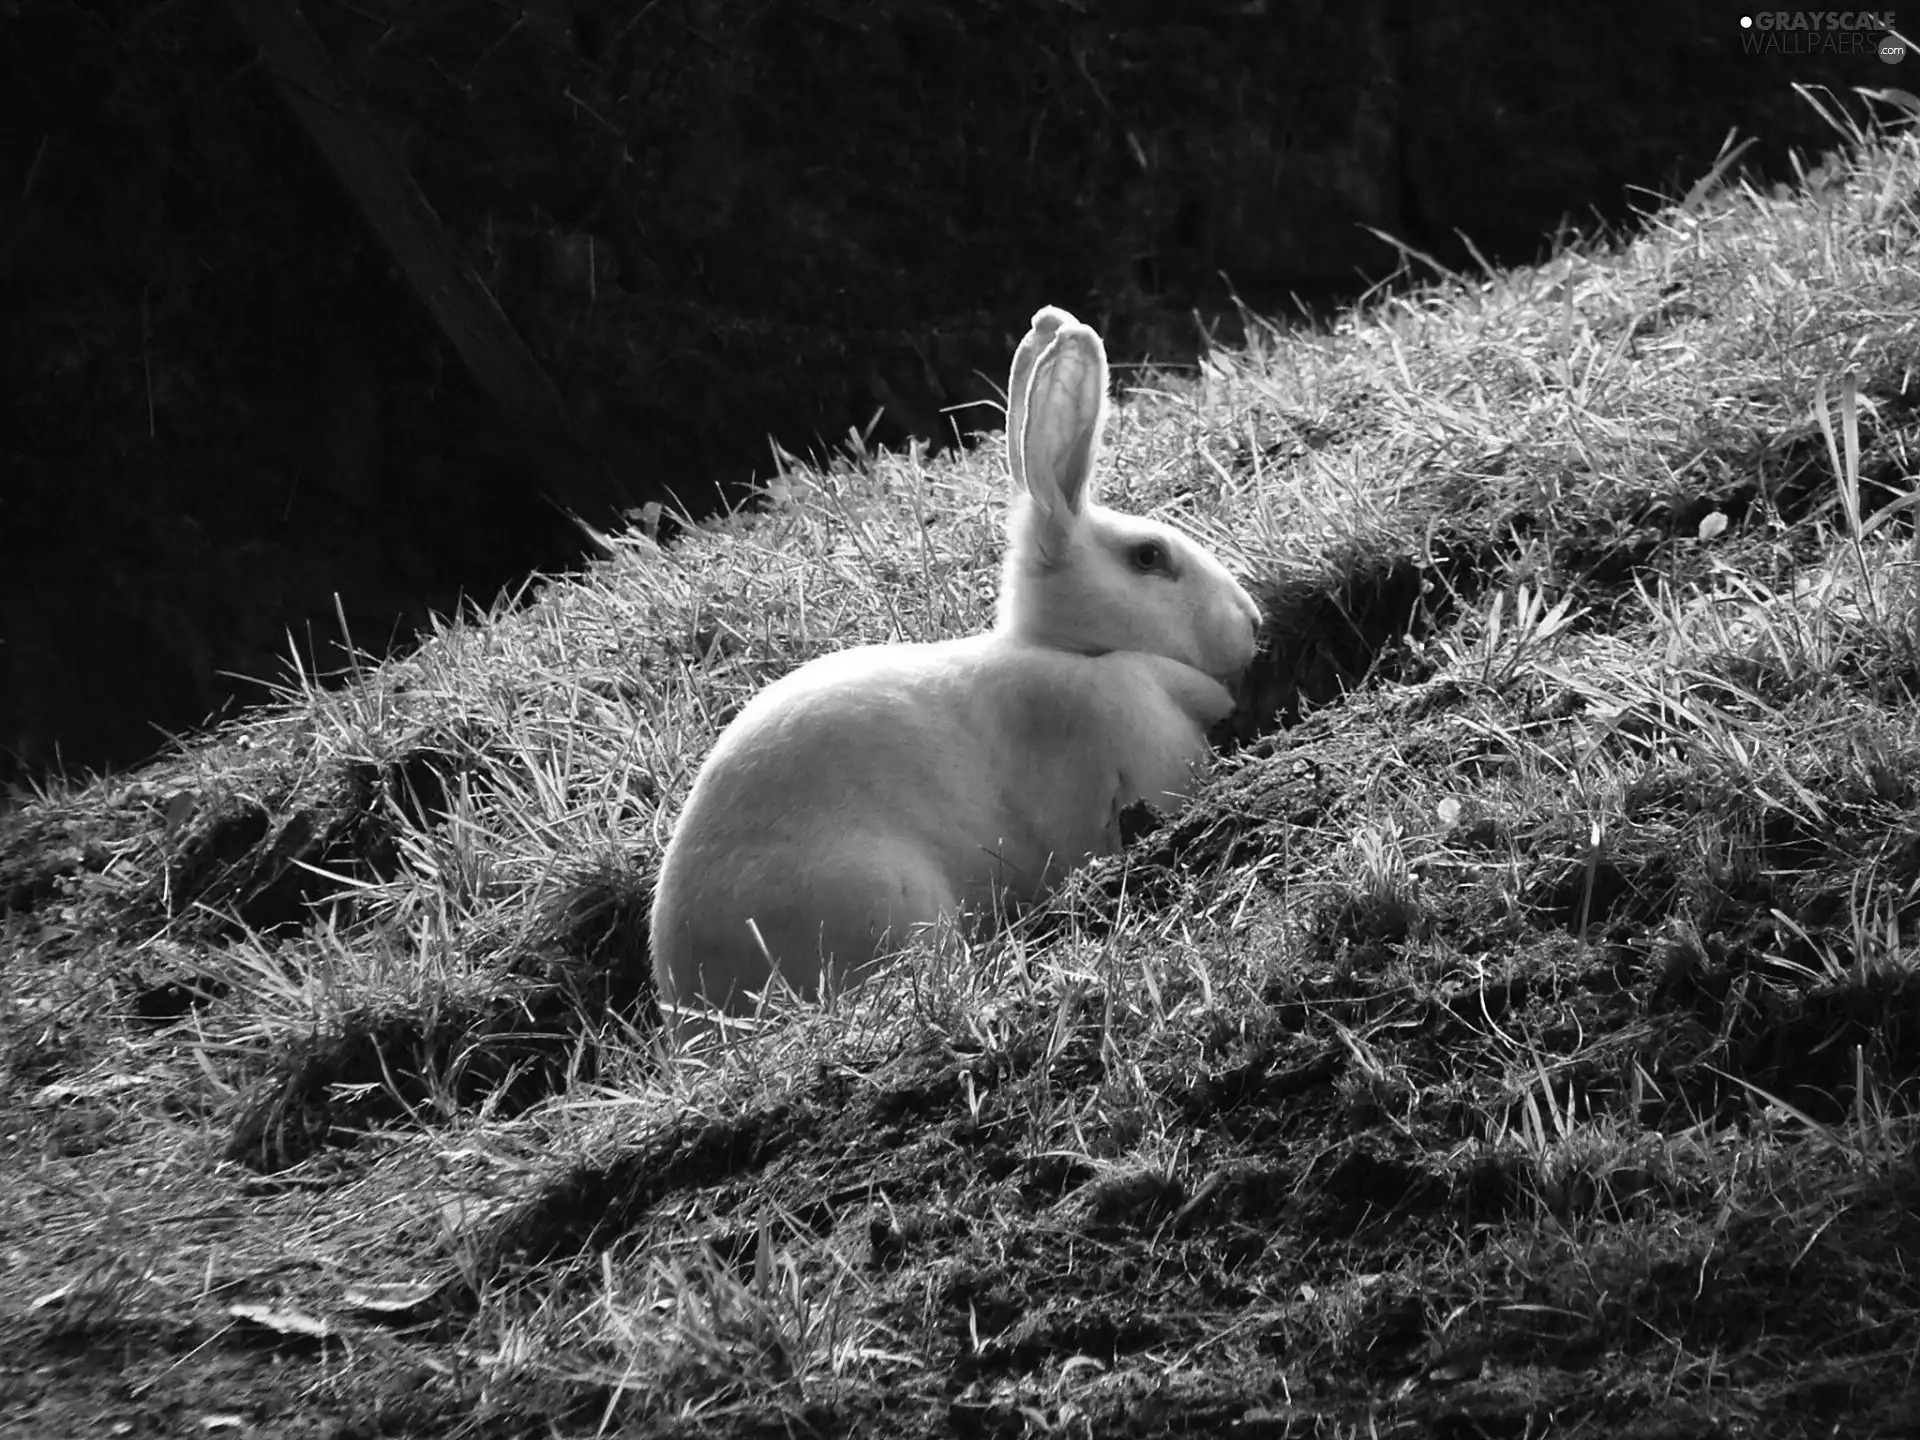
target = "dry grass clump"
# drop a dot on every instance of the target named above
(1522, 1032)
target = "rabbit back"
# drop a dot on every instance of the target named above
(883, 788)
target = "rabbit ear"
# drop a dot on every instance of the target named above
(1066, 404)
(1046, 322)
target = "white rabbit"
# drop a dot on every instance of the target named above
(879, 789)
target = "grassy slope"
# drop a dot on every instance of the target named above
(1521, 1037)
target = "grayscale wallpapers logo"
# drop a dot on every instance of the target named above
(1823, 32)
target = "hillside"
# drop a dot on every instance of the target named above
(1519, 1038)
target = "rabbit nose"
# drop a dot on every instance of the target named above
(1256, 617)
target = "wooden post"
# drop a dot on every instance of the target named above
(465, 311)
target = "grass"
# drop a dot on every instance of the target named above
(1519, 1037)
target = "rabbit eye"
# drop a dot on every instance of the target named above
(1148, 556)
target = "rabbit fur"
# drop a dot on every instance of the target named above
(878, 790)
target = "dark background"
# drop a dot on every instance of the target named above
(709, 223)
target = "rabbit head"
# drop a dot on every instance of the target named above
(1078, 576)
